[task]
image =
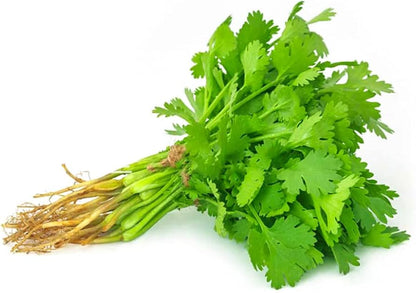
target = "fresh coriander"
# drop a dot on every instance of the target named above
(268, 148)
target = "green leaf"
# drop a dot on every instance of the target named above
(176, 107)
(384, 236)
(333, 204)
(315, 174)
(255, 61)
(219, 221)
(223, 41)
(197, 142)
(344, 256)
(270, 200)
(178, 130)
(361, 211)
(295, 56)
(307, 217)
(196, 101)
(240, 230)
(351, 227)
(381, 208)
(237, 142)
(356, 92)
(198, 68)
(214, 189)
(360, 77)
(306, 77)
(255, 28)
(378, 127)
(284, 104)
(286, 249)
(325, 15)
(304, 131)
(295, 10)
(253, 181)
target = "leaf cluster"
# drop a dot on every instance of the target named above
(271, 141)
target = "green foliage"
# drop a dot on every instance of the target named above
(271, 141)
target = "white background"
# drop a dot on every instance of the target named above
(78, 81)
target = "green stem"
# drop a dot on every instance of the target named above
(112, 218)
(231, 213)
(146, 202)
(214, 122)
(274, 109)
(322, 224)
(136, 230)
(137, 215)
(152, 181)
(143, 163)
(153, 221)
(270, 136)
(336, 64)
(258, 219)
(217, 99)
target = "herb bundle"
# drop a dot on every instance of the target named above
(268, 148)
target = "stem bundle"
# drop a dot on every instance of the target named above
(119, 206)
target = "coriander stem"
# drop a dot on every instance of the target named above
(258, 219)
(143, 163)
(214, 122)
(274, 109)
(270, 136)
(231, 213)
(217, 99)
(136, 230)
(341, 63)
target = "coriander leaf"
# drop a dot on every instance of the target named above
(306, 76)
(270, 200)
(285, 249)
(355, 93)
(197, 141)
(294, 27)
(253, 180)
(307, 217)
(381, 208)
(303, 132)
(178, 130)
(197, 102)
(361, 211)
(223, 40)
(176, 107)
(294, 57)
(198, 68)
(197, 144)
(379, 197)
(325, 15)
(232, 63)
(240, 230)
(378, 127)
(314, 174)
(255, 173)
(283, 103)
(219, 220)
(295, 10)
(214, 189)
(255, 61)
(350, 225)
(333, 204)
(237, 142)
(360, 77)
(255, 28)
(199, 185)
(344, 256)
(384, 236)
